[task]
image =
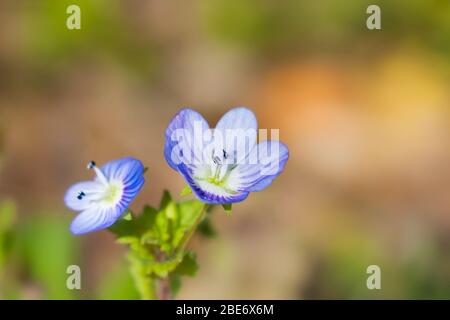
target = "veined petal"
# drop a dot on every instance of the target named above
(236, 133)
(79, 195)
(185, 138)
(263, 165)
(127, 170)
(95, 218)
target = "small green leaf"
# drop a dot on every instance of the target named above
(206, 228)
(128, 216)
(147, 218)
(128, 240)
(227, 208)
(188, 266)
(165, 200)
(163, 269)
(123, 228)
(186, 191)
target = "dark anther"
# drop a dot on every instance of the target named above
(81, 195)
(92, 164)
(225, 155)
(217, 161)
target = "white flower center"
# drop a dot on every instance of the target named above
(218, 177)
(110, 192)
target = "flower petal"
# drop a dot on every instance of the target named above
(209, 192)
(236, 133)
(95, 218)
(78, 202)
(185, 138)
(264, 164)
(127, 170)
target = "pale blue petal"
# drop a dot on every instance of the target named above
(128, 170)
(71, 198)
(95, 218)
(236, 133)
(185, 138)
(257, 175)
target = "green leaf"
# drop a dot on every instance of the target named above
(188, 266)
(165, 200)
(128, 216)
(146, 219)
(123, 228)
(186, 191)
(136, 226)
(227, 208)
(206, 228)
(163, 268)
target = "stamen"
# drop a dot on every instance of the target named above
(81, 194)
(217, 160)
(221, 169)
(98, 172)
(91, 165)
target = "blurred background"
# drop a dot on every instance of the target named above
(366, 115)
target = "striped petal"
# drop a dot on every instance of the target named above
(263, 165)
(236, 133)
(184, 138)
(94, 218)
(79, 195)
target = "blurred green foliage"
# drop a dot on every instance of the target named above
(104, 34)
(341, 270)
(35, 254)
(290, 26)
(47, 249)
(117, 284)
(7, 220)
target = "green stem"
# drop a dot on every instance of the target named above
(189, 235)
(164, 292)
(145, 284)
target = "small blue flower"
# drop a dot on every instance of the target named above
(102, 201)
(222, 165)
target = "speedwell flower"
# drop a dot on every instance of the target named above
(222, 165)
(102, 201)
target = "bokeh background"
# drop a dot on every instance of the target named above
(366, 115)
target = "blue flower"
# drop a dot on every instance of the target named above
(222, 165)
(102, 201)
